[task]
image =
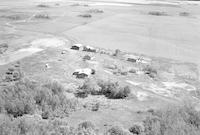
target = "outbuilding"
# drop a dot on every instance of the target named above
(76, 46)
(144, 60)
(131, 58)
(89, 49)
(83, 73)
(137, 59)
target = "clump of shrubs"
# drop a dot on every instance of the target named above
(132, 70)
(150, 71)
(95, 107)
(95, 11)
(151, 111)
(75, 5)
(42, 16)
(3, 47)
(184, 14)
(173, 121)
(86, 128)
(28, 125)
(43, 6)
(85, 15)
(13, 74)
(157, 13)
(111, 66)
(117, 52)
(89, 87)
(52, 101)
(195, 93)
(86, 125)
(111, 90)
(17, 99)
(88, 48)
(136, 129)
(86, 57)
(27, 97)
(78, 4)
(116, 130)
(114, 90)
(121, 72)
(12, 17)
(81, 93)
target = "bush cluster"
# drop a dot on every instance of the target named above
(27, 125)
(95, 11)
(12, 17)
(157, 13)
(111, 90)
(27, 97)
(42, 16)
(121, 72)
(150, 71)
(13, 74)
(43, 6)
(136, 129)
(117, 52)
(173, 121)
(3, 47)
(86, 57)
(52, 101)
(184, 14)
(85, 15)
(116, 130)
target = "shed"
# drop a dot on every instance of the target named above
(83, 73)
(76, 46)
(131, 58)
(89, 49)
